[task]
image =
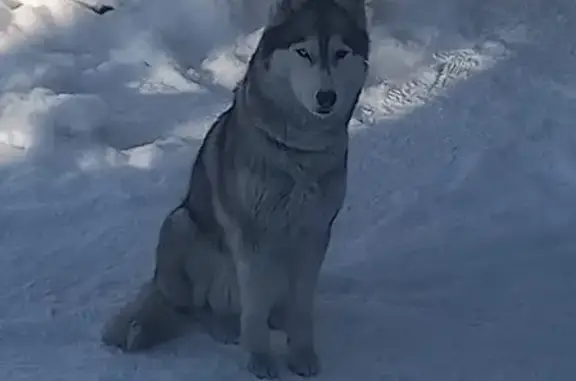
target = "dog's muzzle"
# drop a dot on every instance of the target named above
(326, 99)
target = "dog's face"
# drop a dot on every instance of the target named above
(319, 52)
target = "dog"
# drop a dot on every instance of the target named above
(245, 247)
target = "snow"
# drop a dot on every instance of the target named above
(453, 258)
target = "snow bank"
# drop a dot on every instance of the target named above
(41, 121)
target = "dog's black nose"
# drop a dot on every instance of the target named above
(326, 99)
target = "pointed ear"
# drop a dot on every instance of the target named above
(295, 4)
(283, 9)
(357, 8)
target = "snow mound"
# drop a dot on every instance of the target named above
(40, 121)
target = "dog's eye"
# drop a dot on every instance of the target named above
(341, 54)
(304, 54)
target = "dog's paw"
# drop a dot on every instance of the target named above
(126, 333)
(224, 329)
(263, 366)
(303, 362)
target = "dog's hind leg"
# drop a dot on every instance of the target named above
(223, 319)
(152, 317)
(178, 244)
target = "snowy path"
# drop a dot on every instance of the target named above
(453, 260)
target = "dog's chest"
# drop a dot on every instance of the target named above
(291, 203)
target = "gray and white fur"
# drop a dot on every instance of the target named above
(245, 247)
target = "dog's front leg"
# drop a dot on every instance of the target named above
(258, 280)
(302, 358)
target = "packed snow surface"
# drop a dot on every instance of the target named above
(452, 260)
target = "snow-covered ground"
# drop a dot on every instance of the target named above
(454, 258)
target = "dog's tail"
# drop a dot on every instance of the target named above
(146, 321)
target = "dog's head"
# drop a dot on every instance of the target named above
(315, 52)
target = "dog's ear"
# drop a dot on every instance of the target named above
(283, 9)
(357, 8)
(295, 4)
